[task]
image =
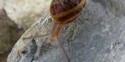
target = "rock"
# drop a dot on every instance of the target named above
(9, 32)
(25, 12)
(98, 35)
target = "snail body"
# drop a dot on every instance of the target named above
(64, 12)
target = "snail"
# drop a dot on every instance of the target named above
(63, 12)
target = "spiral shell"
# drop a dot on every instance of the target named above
(65, 11)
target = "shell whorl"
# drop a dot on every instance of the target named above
(65, 11)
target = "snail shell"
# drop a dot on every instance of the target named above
(65, 11)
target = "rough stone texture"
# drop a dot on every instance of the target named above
(9, 32)
(98, 35)
(25, 12)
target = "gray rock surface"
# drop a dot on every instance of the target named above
(98, 35)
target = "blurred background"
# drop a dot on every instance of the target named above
(16, 16)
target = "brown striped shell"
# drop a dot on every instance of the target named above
(65, 11)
